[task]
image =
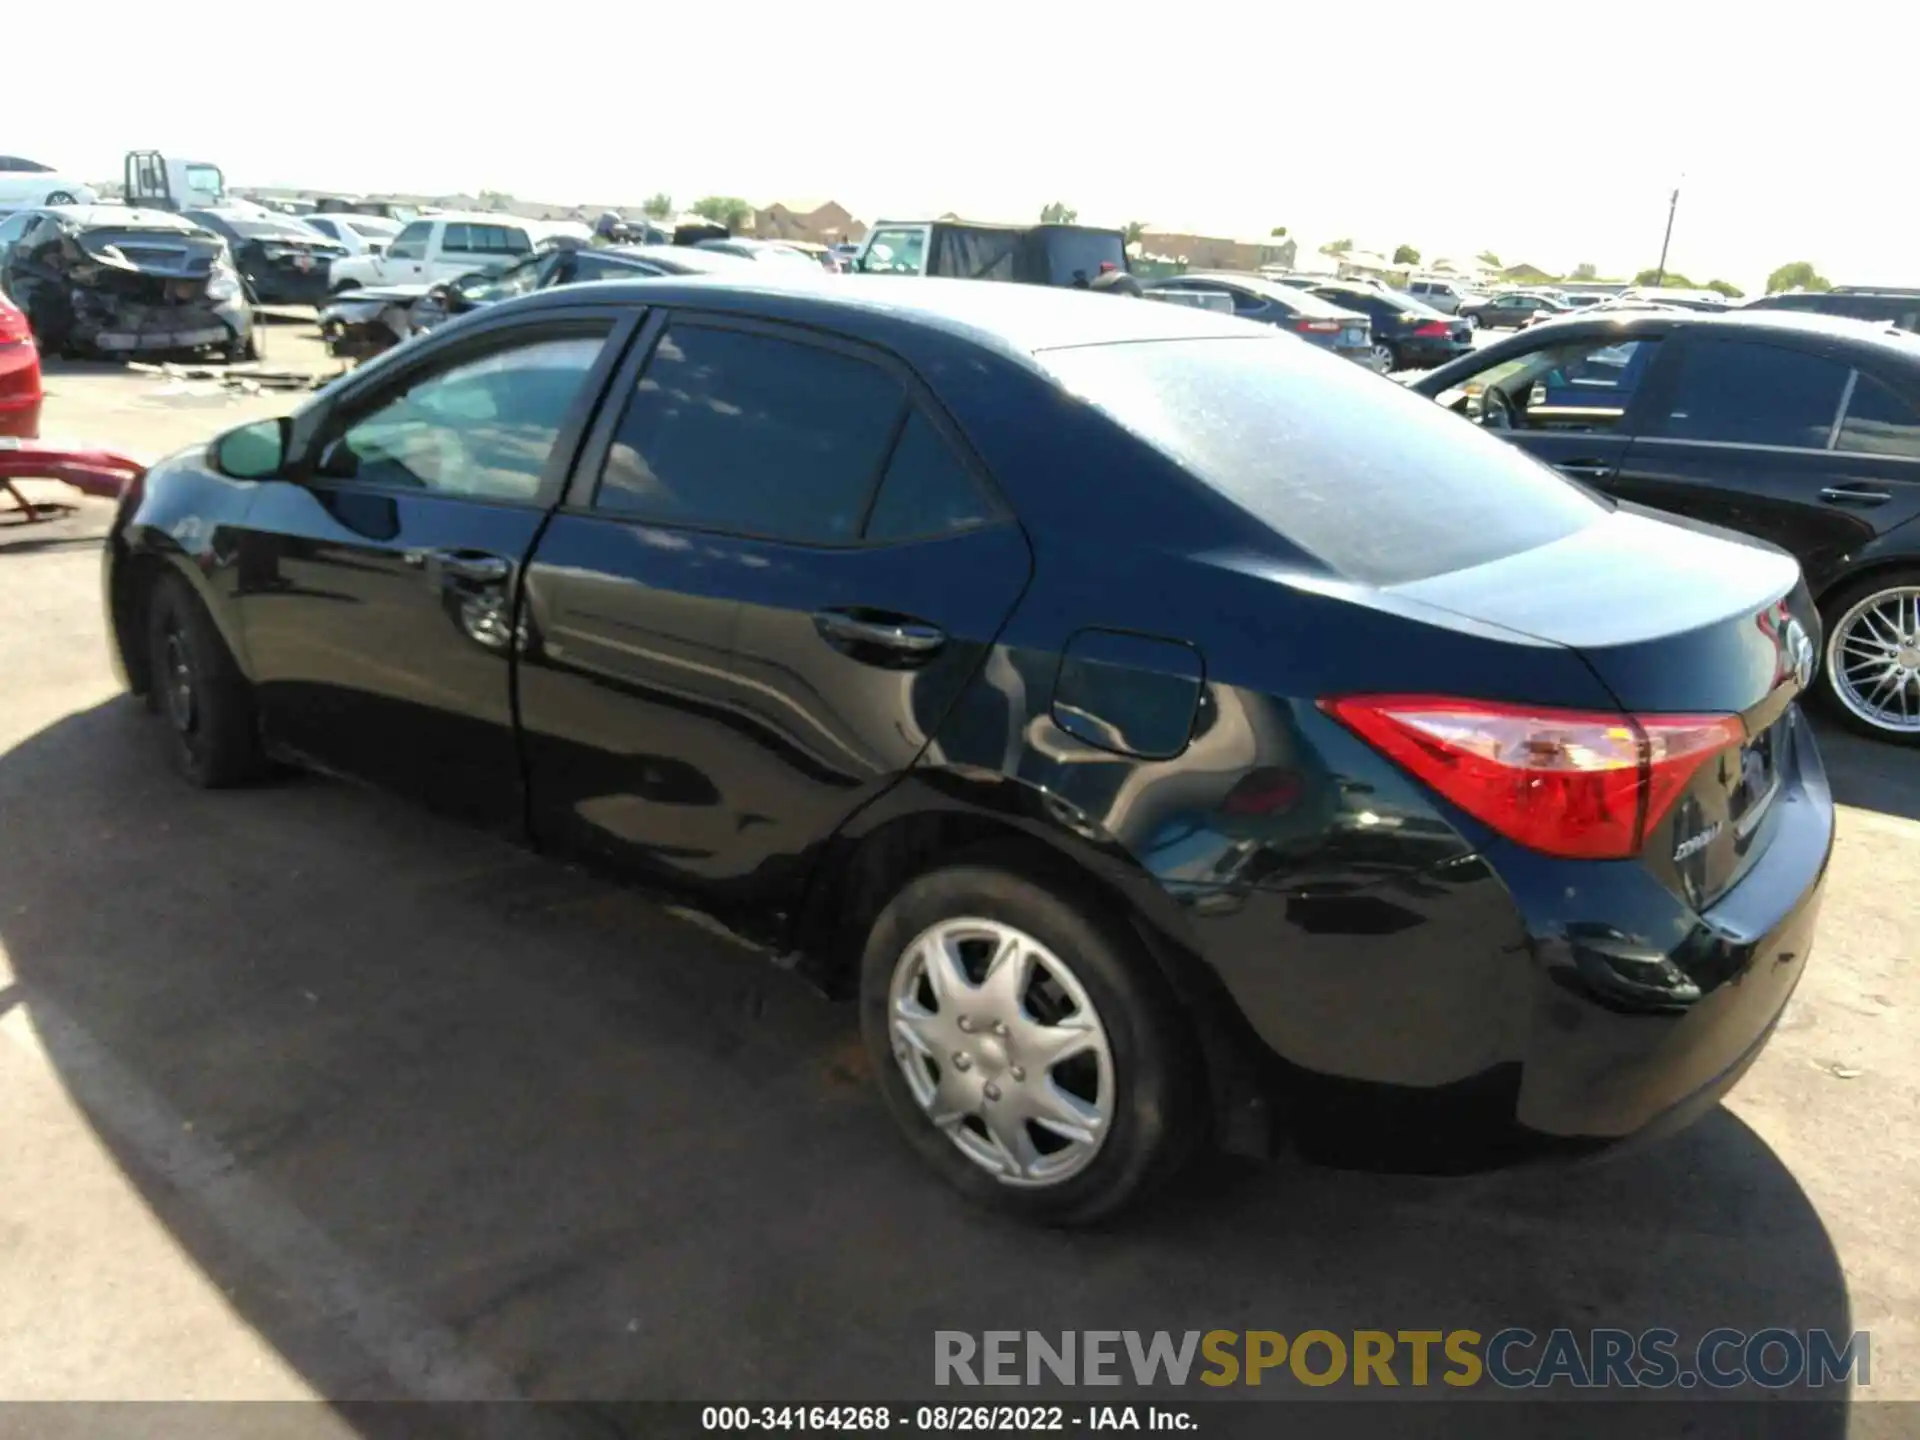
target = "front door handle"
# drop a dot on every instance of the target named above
(901, 636)
(472, 565)
(1585, 469)
(1854, 495)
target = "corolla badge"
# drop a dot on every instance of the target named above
(1695, 843)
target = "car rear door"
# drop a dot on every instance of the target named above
(376, 583)
(777, 567)
(1739, 432)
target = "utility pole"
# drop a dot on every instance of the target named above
(1672, 205)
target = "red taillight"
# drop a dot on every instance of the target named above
(1318, 327)
(13, 325)
(1433, 330)
(1582, 784)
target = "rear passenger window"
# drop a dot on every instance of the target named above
(927, 490)
(1751, 394)
(1880, 421)
(455, 239)
(752, 435)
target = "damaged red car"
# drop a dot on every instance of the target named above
(114, 280)
(19, 374)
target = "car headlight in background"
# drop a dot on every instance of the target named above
(224, 284)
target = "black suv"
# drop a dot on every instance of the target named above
(1856, 302)
(1803, 430)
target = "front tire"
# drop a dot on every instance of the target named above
(1028, 1049)
(213, 733)
(1870, 667)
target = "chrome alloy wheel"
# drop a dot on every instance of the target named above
(1003, 1050)
(1873, 659)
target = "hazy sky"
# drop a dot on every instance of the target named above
(1555, 138)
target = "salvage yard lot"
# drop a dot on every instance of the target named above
(308, 1094)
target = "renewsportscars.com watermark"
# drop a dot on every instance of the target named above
(1513, 1359)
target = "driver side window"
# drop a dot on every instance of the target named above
(1585, 387)
(482, 429)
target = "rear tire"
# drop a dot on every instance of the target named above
(213, 733)
(60, 197)
(1872, 623)
(1125, 1077)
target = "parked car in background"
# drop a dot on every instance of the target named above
(117, 280)
(773, 252)
(28, 185)
(1346, 332)
(450, 245)
(1801, 430)
(1510, 310)
(1406, 334)
(281, 261)
(20, 391)
(1442, 295)
(1086, 686)
(363, 322)
(1066, 255)
(1708, 300)
(357, 234)
(1584, 299)
(1886, 306)
(577, 267)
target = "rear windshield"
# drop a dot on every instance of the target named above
(1380, 484)
(1075, 256)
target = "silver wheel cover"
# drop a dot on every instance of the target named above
(1002, 1049)
(1873, 659)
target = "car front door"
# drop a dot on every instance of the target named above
(777, 569)
(376, 583)
(404, 261)
(1739, 432)
(1571, 401)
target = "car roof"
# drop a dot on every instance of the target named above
(1017, 320)
(1307, 301)
(120, 217)
(694, 257)
(1861, 334)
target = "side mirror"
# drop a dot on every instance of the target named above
(252, 452)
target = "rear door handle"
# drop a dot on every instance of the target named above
(472, 565)
(1585, 469)
(1854, 495)
(901, 636)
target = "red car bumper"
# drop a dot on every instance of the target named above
(19, 390)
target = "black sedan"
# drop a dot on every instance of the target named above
(1319, 322)
(1801, 430)
(369, 319)
(1406, 334)
(1165, 729)
(280, 260)
(1512, 310)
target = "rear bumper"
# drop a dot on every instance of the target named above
(1428, 353)
(1508, 1007)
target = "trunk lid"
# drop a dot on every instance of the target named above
(1674, 618)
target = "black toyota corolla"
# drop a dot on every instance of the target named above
(1166, 730)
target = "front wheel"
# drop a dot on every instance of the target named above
(60, 197)
(1870, 678)
(1028, 1049)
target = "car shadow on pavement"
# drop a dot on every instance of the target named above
(446, 1121)
(1870, 774)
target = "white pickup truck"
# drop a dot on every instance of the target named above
(447, 246)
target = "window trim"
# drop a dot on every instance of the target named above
(357, 401)
(592, 457)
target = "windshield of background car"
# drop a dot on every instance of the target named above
(1378, 483)
(1081, 253)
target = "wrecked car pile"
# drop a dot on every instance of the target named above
(112, 280)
